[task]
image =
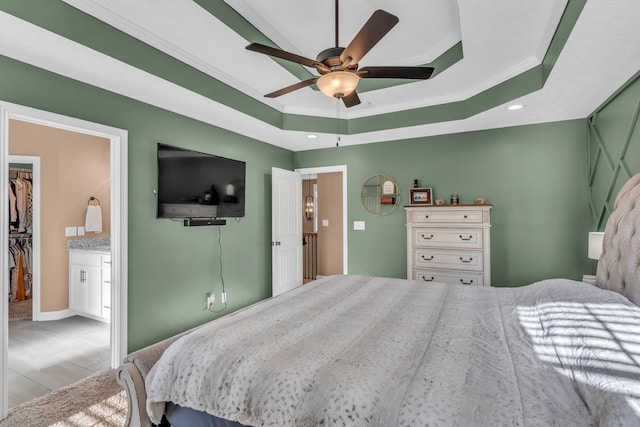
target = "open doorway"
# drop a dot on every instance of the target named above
(309, 228)
(325, 230)
(117, 140)
(24, 237)
(56, 342)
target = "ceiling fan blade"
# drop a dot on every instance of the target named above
(351, 100)
(421, 73)
(291, 88)
(271, 51)
(378, 25)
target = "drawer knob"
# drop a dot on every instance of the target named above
(465, 239)
(426, 216)
(428, 280)
(424, 258)
(467, 261)
(470, 282)
(429, 237)
(465, 217)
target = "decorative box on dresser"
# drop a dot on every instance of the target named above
(449, 243)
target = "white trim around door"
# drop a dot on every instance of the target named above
(119, 179)
(345, 230)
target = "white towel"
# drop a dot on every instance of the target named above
(93, 222)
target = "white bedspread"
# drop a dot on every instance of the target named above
(362, 351)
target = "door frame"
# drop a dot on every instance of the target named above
(345, 233)
(119, 182)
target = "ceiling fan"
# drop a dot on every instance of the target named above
(338, 66)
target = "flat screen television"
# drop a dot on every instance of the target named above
(192, 184)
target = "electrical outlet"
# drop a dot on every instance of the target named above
(211, 299)
(223, 298)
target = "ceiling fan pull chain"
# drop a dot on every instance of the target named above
(337, 121)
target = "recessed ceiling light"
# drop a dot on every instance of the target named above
(515, 107)
(312, 136)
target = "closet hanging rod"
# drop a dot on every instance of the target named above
(20, 170)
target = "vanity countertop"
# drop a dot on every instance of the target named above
(96, 244)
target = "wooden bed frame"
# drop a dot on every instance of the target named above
(617, 271)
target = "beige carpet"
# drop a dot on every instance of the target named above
(95, 401)
(20, 310)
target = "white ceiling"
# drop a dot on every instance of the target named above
(500, 38)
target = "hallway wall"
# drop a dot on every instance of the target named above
(330, 246)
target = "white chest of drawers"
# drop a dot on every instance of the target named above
(449, 244)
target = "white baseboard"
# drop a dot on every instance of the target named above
(55, 315)
(91, 316)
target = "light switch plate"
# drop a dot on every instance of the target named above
(80, 231)
(358, 225)
(70, 231)
(325, 222)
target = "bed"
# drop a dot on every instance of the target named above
(371, 351)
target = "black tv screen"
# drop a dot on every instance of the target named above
(199, 185)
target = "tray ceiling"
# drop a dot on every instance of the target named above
(560, 59)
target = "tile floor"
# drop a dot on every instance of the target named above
(45, 356)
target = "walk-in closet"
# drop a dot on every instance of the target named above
(20, 241)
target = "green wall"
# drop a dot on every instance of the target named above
(614, 149)
(171, 267)
(534, 175)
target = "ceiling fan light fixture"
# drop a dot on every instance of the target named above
(338, 84)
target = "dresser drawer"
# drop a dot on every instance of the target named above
(455, 277)
(446, 216)
(448, 237)
(452, 260)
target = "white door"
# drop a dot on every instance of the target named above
(286, 230)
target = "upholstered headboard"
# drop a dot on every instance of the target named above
(619, 264)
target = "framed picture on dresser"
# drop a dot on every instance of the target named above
(421, 196)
